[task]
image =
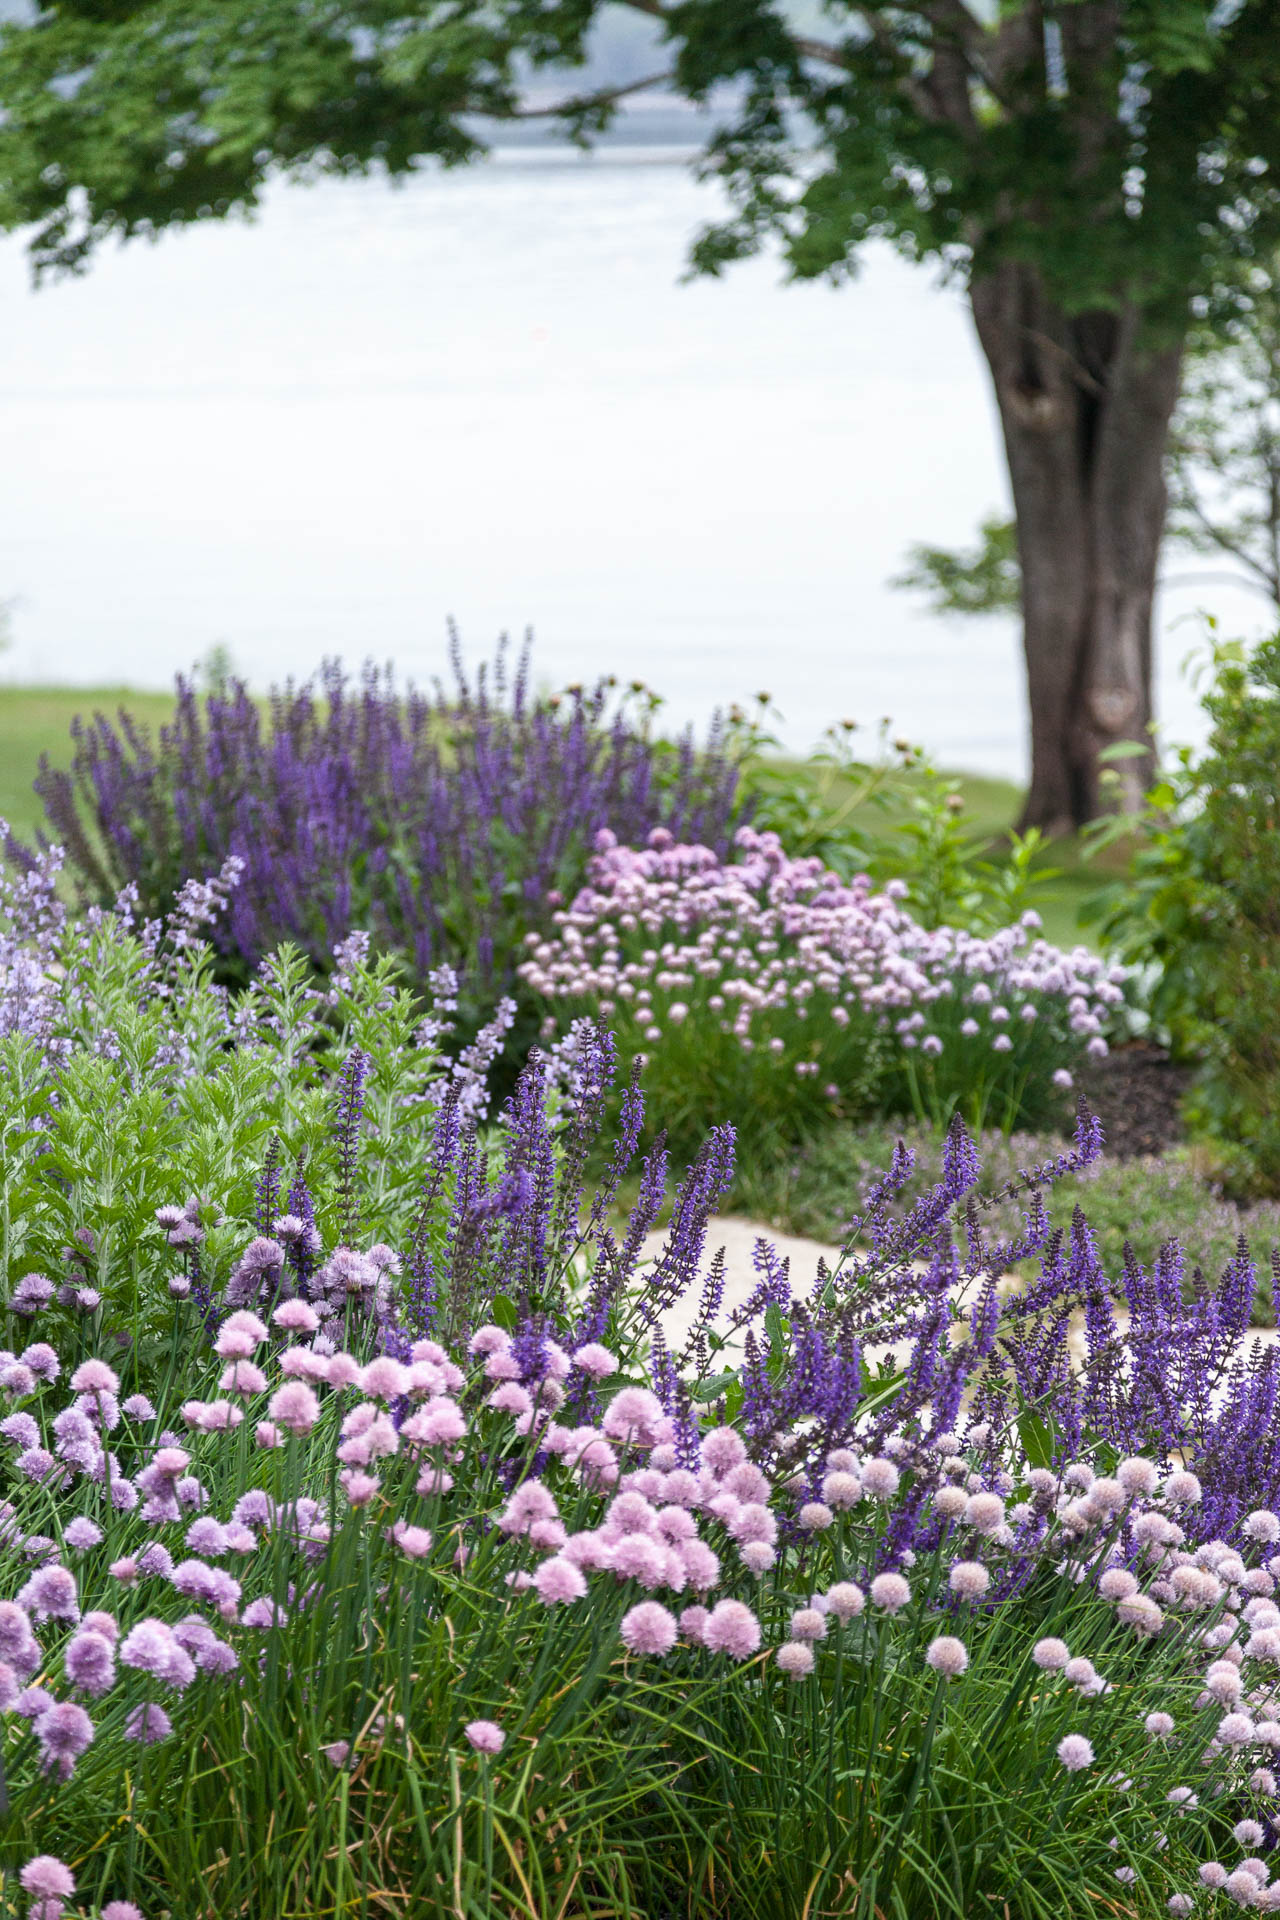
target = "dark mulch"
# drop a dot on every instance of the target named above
(1136, 1092)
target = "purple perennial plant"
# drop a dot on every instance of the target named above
(365, 1472)
(441, 821)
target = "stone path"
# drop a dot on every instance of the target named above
(738, 1238)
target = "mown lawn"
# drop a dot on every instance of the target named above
(37, 720)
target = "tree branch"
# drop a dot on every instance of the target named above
(804, 45)
(1269, 589)
(1189, 502)
(941, 95)
(585, 102)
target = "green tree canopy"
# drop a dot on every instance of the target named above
(1089, 169)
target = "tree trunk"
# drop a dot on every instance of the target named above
(1085, 409)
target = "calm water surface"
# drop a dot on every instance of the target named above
(487, 395)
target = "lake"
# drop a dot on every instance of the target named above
(487, 395)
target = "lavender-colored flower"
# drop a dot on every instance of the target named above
(32, 1293)
(879, 1478)
(485, 795)
(485, 1736)
(558, 1581)
(89, 1660)
(795, 1658)
(947, 1656)
(845, 1600)
(48, 1877)
(808, 1623)
(595, 1360)
(20, 1430)
(1051, 1654)
(51, 1594)
(731, 1628)
(296, 1316)
(985, 1512)
(414, 1542)
(841, 1491)
(1075, 1752)
(295, 1407)
(82, 1533)
(148, 1724)
(722, 1449)
(890, 1591)
(41, 1360)
(121, 1910)
(814, 1517)
(64, 1733)
(149, 1647)
(94, 1377)
(32, 1702)
(648, 1628)
(257, 1274)
(969, 1580)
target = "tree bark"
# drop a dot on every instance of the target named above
(1085, 406)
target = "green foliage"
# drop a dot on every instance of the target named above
(835, 807)
(1133, 162)
(894, 816)
(948, 882)
(980, 580)
(1199, 911)
(139, 1093)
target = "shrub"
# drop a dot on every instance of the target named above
(895, 817)
(449, 1590)
(765, 989)
(127, 1075)
(1199, 914)
(442, 823)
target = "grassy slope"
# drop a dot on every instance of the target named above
(36, 720)
(991, 809)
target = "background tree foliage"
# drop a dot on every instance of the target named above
(1092, 170)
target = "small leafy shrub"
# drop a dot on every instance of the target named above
(128, 1075)
(441, 823)
(765, 989)
(894, 816)
(1199, 914)
(426, 1578)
